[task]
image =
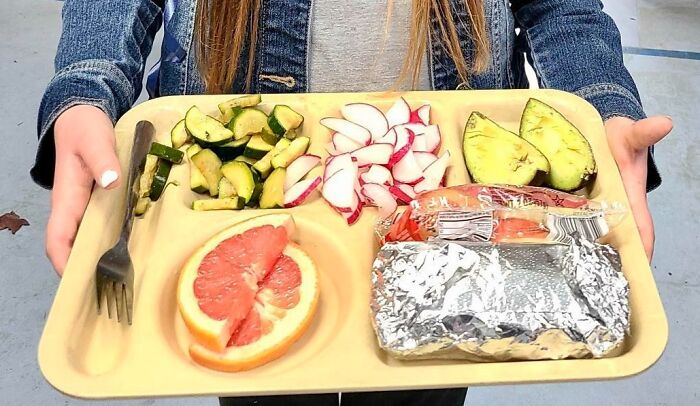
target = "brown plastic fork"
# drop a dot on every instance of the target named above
(114, 276)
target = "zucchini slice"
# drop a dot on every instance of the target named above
(229, 203)
(210, 166)
(231, 149)
(291, 134)
(165, 152)
(264, 165)
(297, 148)
(226, 188)
(257, 148)
(149, 170)
(141, 206)
(206, 129)
(243, 158)
(255, 198)
(230, 114)
(197, 181)
(241, 178)
(250, 121)
(239, 103)
(272, 196)
(160, 179)
(179, 135)
(283, 119)
(269, 137)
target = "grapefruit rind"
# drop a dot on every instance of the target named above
(285, 332)
(211, 333)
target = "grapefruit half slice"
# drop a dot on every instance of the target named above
(283, 309)
(219, 283)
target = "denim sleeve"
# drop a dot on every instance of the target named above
(100, 61)
(574, 46)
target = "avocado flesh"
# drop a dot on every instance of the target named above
(569, 153)
(497, 156)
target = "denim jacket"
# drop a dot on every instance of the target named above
(572, 45)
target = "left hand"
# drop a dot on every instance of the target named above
(629, 142)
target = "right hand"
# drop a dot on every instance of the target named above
(85, 153)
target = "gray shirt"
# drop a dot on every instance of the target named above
(354, 53)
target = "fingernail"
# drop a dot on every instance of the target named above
(108, 177)
(669, 117)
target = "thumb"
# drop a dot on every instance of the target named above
(99, 156)
(649, 131)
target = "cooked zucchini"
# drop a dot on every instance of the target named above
(297, 148)
(197, 181)
(269, 137)
(283, 119)
(230, 114)
(226, 188)
(167, 153)
(179, 135)
(149, 170)
(257, 191)
(229, 107)
(210, 165)
(250, 121)
(206, 129)
(264, 165)
(229, 203)
(291, 134)
(142, 205)
(231, 149)
(272, 196)
(257, 148)
(243, 158)
(240, 176)
(160, 179)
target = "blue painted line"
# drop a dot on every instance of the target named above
(665, 53)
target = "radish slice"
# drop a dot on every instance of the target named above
(354, 215)
(400, 194)
(299, 192)
(343, 143)
(351, 130)
(424, 159)
(434, 173)
(416, 128)
(429, 140)
(388, 138)
(367, 116)
(299, 168)
(337, 163)
(408, 190)
(407, 169)
(404, 143)
(399, 113)
(423, 114)
(373, 154)
(377, 174)
(338, 189)
(331, 149)
(380, 197)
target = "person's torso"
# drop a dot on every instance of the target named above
(305, 46)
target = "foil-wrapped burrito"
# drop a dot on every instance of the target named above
(485, 302)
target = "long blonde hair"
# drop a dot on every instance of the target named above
(224, 28)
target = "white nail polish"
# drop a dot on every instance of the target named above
(108, 177)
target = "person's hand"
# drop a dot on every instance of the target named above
(85, 153)
(629, 142)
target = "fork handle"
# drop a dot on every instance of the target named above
(142, 141)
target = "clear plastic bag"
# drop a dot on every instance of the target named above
(501, 214)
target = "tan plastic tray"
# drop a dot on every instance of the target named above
(89, 356)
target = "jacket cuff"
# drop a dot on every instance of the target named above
(88, 82)
(613, 100)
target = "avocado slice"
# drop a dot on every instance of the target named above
(497, 156)
(569, 153)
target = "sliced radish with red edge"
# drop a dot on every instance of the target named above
(351, 130)
(375, 154)
(399, 113)
(424, 159)
(299, 168)
(404, 143)
(433, 174)
(343, 143)
(377, 174)
(367, 116)
(380, 196)
(407, 169)
(300, 191)
(338, 189)
(336, 163)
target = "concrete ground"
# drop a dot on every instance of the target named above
(669, 85)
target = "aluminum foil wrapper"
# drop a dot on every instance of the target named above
(485, 302)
